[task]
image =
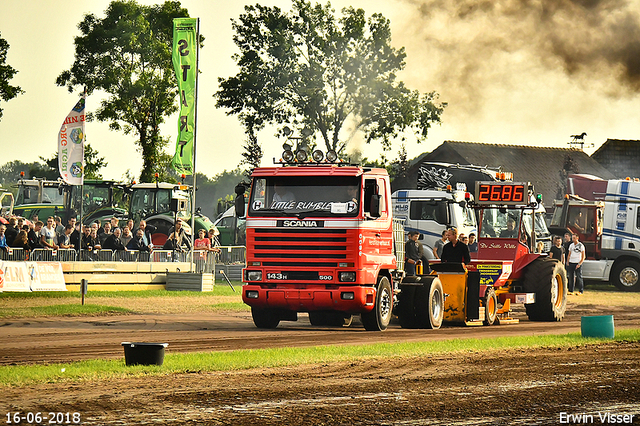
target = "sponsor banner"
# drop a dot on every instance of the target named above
(46, 276)
(15, 276)
(185, 47)
(71, 145)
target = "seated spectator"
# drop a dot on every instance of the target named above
(3, 239)
(48, 235)
(137, 242)
(64, 239)
(21, 241)
(113, 242)
(126, 236)
(33, 236)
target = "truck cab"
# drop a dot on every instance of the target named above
(319, 240)
(431, 211)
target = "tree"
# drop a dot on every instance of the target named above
(252, 154)
(311, 70)
(127, 54)
(93, 164)
(400, 166)
(7, 91)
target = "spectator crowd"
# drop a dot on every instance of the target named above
(53, 235)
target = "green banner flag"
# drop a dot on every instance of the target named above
(185, 64)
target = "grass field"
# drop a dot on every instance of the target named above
(38, 304)
(279, 357)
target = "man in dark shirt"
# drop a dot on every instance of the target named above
(455, 251)
(557, 250)
(113, 241)
(412, 253)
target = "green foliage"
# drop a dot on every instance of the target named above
(252, 154)
(7, 91)
(93, 164)
(127, 54)
(313, 70)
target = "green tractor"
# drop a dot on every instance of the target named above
(159, 204)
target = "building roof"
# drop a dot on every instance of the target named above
(620, 157)
(541, 166)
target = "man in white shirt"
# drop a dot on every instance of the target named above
(575, 258)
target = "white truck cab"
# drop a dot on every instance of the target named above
(431, 211)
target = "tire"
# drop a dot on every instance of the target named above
(429, 305)
(405, 309)
(490, 302)
(318, 318)
(626, 275)
(265, 318)
(546, 278)
(379, 317)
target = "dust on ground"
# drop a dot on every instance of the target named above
(517, 386)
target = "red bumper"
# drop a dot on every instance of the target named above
(311, 299)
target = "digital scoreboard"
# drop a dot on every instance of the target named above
(509, 193)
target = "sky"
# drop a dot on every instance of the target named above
(515, 72)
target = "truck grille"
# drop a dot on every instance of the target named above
(301, 247)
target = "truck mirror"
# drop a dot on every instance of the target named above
(462, 204)
(239, 205)
(376, 208)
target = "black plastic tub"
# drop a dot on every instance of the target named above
(141, 353)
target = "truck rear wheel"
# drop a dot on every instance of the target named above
(406, 313)
(626, 276)
(379, 317)
(265, 318)
(429, 305)
(490, 301)
(546, 278)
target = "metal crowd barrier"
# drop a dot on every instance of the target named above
(231, 255)
(48, 255)
(204, 261)
(14, 254)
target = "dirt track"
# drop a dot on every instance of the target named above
(510, 387)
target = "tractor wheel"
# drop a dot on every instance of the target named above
(318, 318)
(406, 314)
(379, 317)
(626, 275)
(546, 278)
(429, 305)
(490, 302)
(265, 318)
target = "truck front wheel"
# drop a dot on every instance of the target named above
(429, 305)
(379, 317)
(626, 276)
(490, 301)
(265, 318)
(546, 278)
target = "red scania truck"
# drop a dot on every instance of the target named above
(321, 239)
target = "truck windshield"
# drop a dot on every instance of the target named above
(541, 226)
(309, 195)
(500, 223)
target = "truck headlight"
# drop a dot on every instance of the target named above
(347, 295)
(347, 276)
(253, 276)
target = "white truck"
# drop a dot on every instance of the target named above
(606, 216)
(431, 211)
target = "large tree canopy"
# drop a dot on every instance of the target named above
(127, 54)
(311, 70)
(7, 91)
